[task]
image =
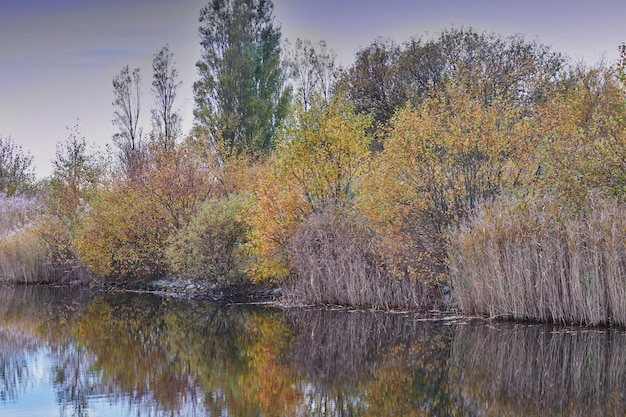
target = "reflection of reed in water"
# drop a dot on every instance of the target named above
(340, 347)
(541, 370)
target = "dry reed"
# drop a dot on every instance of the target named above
(337, 262)
(537, 259)
(23, 257)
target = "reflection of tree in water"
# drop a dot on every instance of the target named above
(371, 364)
(15, 350)
(165, 356)
(72, 379)
(520, 370)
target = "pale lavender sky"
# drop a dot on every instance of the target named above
(58, 57)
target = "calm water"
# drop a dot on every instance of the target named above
(70, 352)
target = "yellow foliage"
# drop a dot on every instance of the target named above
(320, 160)
(584, 137)
(125, 233)
(439, 161)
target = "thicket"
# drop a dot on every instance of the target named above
(556, 252)
(466, 159)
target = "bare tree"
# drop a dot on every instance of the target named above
(326, 70)
(127, 91)
(16, 168)
(312, 70)
(166, 122)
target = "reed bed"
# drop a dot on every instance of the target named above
(21, 257)
(24, 258)
(337, 262)
(540, 259)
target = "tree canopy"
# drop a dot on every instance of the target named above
(240, 96)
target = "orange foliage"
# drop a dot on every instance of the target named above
(125, 233)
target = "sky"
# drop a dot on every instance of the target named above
(58, 57)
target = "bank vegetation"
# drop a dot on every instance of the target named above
(464, 170)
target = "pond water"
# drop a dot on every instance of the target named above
(75, 352)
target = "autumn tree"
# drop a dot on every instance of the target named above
(127, 229)
(386, 76)
(372, 81)
(74, 177)
(16, 168)
(126, 102)
(583, 132)
(72, 186)
(319, 162)
(441, 160)
(166, 120)
(240, 97)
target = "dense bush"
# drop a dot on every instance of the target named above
(439, 160)
(212, 246)
(319, 162)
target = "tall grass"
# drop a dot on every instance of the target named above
(23, 259)
(23, 256)
(337, 262)
(539, 259)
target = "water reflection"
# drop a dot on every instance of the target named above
(538, 370)
(72, 352)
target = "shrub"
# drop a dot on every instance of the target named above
(439, 160)
(211, 246)
(583, 137)
(320, 160)
(125, 232)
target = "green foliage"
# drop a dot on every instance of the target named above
(240, 97)
(211, 247)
